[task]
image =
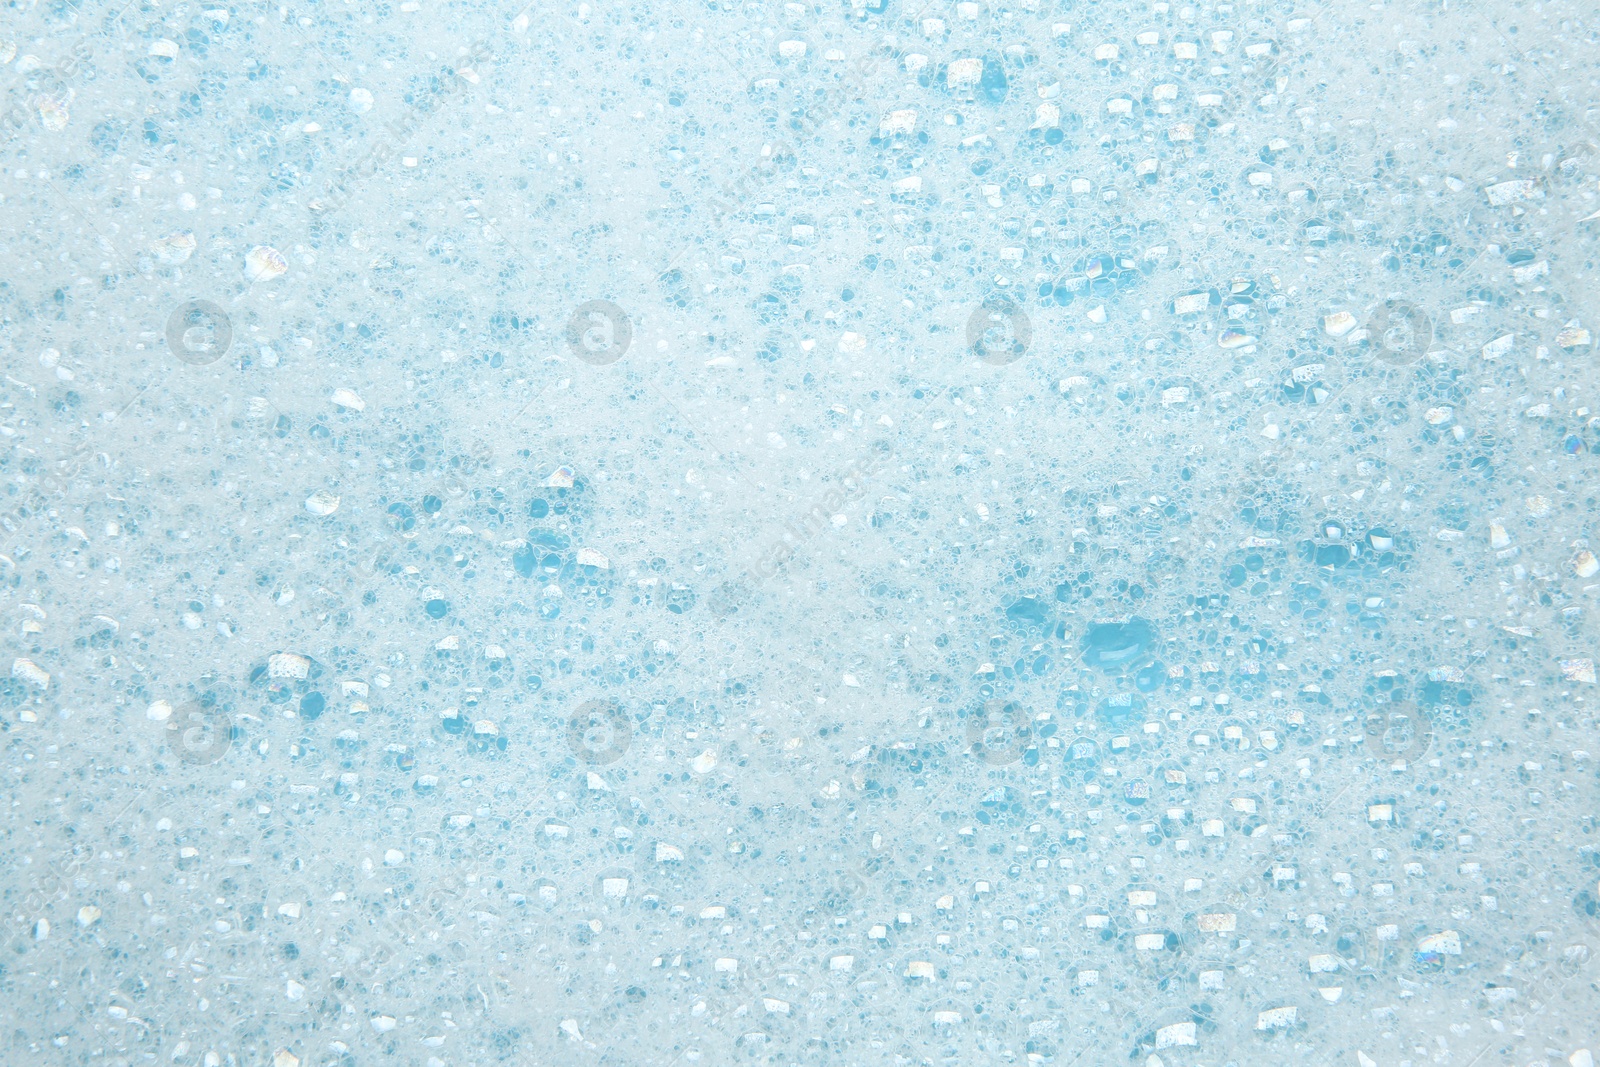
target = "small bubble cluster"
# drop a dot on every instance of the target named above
(795, 533)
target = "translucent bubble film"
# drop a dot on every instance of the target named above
(865, 532)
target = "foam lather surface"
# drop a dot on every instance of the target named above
(856, 532)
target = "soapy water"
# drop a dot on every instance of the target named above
(805, 533)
